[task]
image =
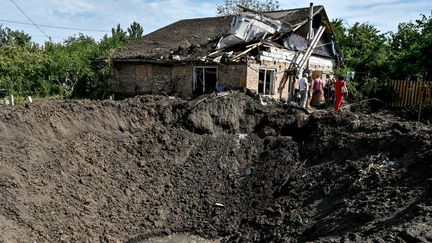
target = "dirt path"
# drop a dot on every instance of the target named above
(227, 168)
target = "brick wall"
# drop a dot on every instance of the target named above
(131, 79)
(143, 74)
(232, 76)
(281, 80)
(182, 76)
(161, 79)
(124, 81)
(136, 78)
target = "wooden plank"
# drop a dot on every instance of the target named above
(399, 104)
(246, 51)
(418, 93)
(422, 90)
(426, 88)
(398, 88)
(429, 93)
(404, 92)
(411, 93)
(407, 93)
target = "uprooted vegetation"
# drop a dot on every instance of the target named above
(227, 168)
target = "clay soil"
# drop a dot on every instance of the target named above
(218, 167)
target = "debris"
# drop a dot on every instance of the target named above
(153, 178)
(235, 58)
(241, 136)
(261, 100)
(356, 123)
(250, 26)
(248, 171)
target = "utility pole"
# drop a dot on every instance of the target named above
(310, 32)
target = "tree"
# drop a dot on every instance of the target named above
(231, 7)
(411, 49)
(118, 33)
(13, 37)
(364, 49)
(339, 30)
(135, 30)
(23, 70)
(56, 68)
(71, 61)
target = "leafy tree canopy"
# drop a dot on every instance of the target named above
(411, 49)
(135, 30)
(58, 68)
(14, 37)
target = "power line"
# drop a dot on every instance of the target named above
(37, 26)
(54, 27)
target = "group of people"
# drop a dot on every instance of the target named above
(319, 92)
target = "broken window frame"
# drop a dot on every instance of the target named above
(272, 81)
(195, 78)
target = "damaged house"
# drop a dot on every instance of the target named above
(264, 52)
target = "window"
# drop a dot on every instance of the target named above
(205, 79)
(266, 81)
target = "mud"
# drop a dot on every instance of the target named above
(219, 167)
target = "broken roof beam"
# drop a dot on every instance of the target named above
(253, 46)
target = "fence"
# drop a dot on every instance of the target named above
(411, 92)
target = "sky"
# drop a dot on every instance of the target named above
(100, 16)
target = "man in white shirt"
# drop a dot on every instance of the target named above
(304, 88)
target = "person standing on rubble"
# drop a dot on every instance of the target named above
(340, 90)
(304, 88)
(331, 92)
(318, 93)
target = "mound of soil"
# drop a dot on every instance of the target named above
(220, 167)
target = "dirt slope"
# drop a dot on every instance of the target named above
(226, 167)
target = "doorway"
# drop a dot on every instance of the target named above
(205, 80)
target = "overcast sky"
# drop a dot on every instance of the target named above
(102, 15)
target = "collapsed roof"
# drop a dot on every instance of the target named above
(199, 39)
(181, 35)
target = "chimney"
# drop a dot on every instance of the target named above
(310, 34)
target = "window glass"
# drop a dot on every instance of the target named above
(261, 77)
(266, 81)
(269, 82)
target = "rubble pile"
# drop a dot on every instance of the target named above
(222, 167)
